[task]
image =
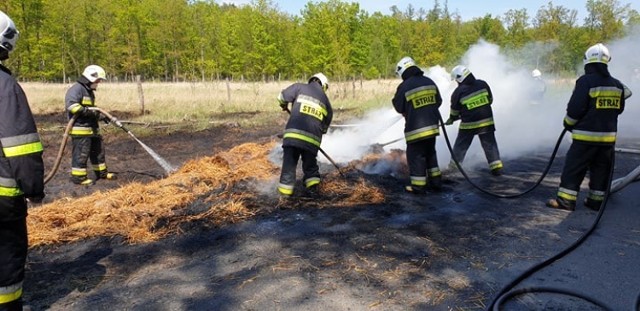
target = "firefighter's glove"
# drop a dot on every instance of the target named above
(36, 199)
(449, 121)
(105, 119)
(284, 106)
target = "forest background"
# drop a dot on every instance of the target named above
(202, 40)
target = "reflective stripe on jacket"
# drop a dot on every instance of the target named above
(21, 165)
(471, 103)
(594, 106)
(417, 98)
(311, 115)
(80, 96)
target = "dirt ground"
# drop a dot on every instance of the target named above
(449, 250)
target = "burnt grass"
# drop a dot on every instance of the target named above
(445, 250)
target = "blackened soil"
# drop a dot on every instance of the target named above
(449, 250)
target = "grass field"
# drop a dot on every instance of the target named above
(201, 105)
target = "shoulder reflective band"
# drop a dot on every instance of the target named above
(21, 145)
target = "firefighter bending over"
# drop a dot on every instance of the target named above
(471, 103)
(85, 134)
(310, 117)
(417, 98)
(21, 174)
(592, 117)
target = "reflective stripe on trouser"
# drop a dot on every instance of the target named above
(310, 169)
(13, 250)
(580, 158)
(100, 170)
(422, 160)
(489, 145)
(85, 148)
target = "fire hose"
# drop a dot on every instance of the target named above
(507, 292)
(163, 163)
(503, 196)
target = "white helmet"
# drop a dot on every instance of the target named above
(403, 64)
(8, 33)
(324, 82)
(94, 72)
(536, 73)
(597, 54)
(459, 73)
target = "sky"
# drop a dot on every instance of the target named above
(467, 9)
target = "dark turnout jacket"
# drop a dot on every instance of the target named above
(80, 96)
(594, 106)
(471, 103)
(417, 98)
(311, 115)
(21, 165)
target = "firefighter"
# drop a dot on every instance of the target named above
(471, 104)
(310, 117)
(417, 98)
(21, 174)
(539, 87)
(85, 133)
(592, 118)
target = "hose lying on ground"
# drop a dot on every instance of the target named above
(503, 196)
(63, 144)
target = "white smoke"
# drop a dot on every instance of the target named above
(625, 66)
(523, 126)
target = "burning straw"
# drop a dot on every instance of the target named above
(202, 190)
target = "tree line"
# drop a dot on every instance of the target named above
(191, 40)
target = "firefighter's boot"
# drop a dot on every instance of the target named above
(563, 204)
(592, 204)
(107, 176)
(313, 192)
(83, 181)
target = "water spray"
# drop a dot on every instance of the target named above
(168, 168)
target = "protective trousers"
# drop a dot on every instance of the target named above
(84, 148)
(489, 145)
(13, 255)
(310, 169)
(597, 159)
(423, 160)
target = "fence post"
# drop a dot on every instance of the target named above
(140, 94)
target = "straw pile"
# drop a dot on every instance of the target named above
(133, 211)
(205, 189)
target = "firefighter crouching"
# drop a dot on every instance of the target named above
(310, 117)
(417, 98)
(471, 103)
(85, 133)
(21, 174)
(592, 118)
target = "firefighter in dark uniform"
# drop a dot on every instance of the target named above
(21, 174)
(592, 118)
(311, 115)
(417, 98)
(471, 103)
(85, 133)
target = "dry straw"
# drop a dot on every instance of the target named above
(204, 190)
